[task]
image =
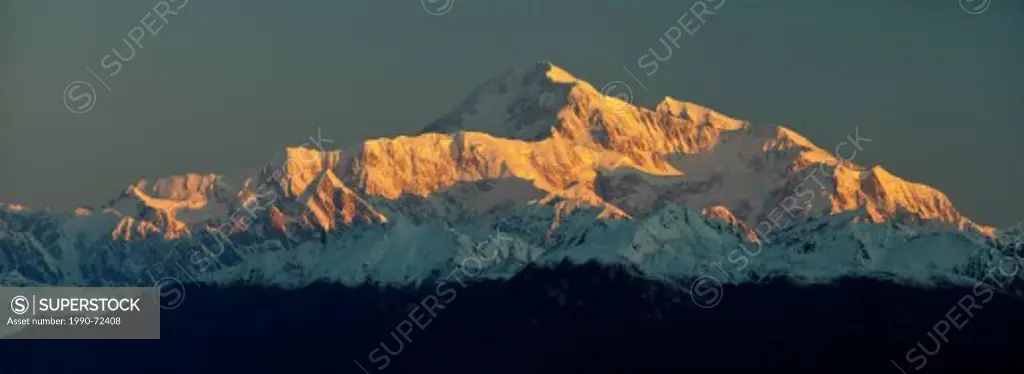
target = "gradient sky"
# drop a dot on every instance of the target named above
(227, 83)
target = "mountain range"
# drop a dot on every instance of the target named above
(534, 168)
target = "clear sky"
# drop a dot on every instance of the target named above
(225, 84)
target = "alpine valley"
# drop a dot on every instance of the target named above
(540, 201)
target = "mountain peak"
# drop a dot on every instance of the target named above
(555, 73)
(541, 70)
(522, 103)
(179, 187)
(697, 113)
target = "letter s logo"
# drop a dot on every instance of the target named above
(19, 305)
(72, 95)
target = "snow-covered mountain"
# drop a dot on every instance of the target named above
(534, 168)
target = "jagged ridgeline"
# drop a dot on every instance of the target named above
(549, 166)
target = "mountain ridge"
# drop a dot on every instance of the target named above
(582, 143)
(542, 151)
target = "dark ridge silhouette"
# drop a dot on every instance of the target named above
(572, 319)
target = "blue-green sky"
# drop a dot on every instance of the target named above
(225, 84)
